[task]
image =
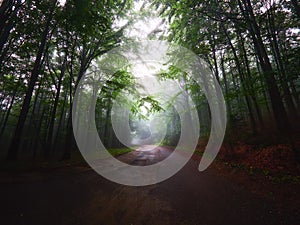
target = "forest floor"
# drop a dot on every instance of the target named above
(75, 194)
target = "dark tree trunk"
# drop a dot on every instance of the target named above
(49, 141)
(8, 10)
(279, 112)
(242, 78)
(281, 71)
(69, 138)
(7, 115)
(60, 122)
(5, 24)
(68, 141)
(37, 133)
(226, 87)
(253, 94)
(107, 132)
(11, 103)
(15, 143)
(213, 44)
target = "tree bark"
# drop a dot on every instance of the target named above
(49, 141)
(242, 78)
(15, 143)
(278, 59)
(279, 112)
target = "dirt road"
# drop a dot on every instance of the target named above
(81, 196)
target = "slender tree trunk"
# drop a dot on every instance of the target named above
(36, 120)
(226, 86)
(280, 114)
(277, 56)
(8, 10)
(239, 100)
(107, 133)
(49, 141)
(253, 94)
(215, 59)
(4, 111)
(242, 78)
(5, 115)
(60, 122)
(11, 103)
(68, 141)
(262, 84)
(5, 23)
(35, 113)
(15, 143)
(37, 133)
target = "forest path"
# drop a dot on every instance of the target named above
(146, 155)
(85, 198)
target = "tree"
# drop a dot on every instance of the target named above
(16, 140)
(239, 29)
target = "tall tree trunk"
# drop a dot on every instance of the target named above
(7, 115)
(280, 114)
(242, 78)
(37, 133)
(15, 143)
(68, 140)
(5, 23)
(213, 44)
(226, 87)
(35, 115)
(11, 103)
(8, 10)
(49, 141)
(60, 122)
(107, 133)
(3, 111)
(277, 56)
(253, 94)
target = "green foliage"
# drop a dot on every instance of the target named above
(81, 31)
(148, 103)
(78, 33)
(219, 32)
